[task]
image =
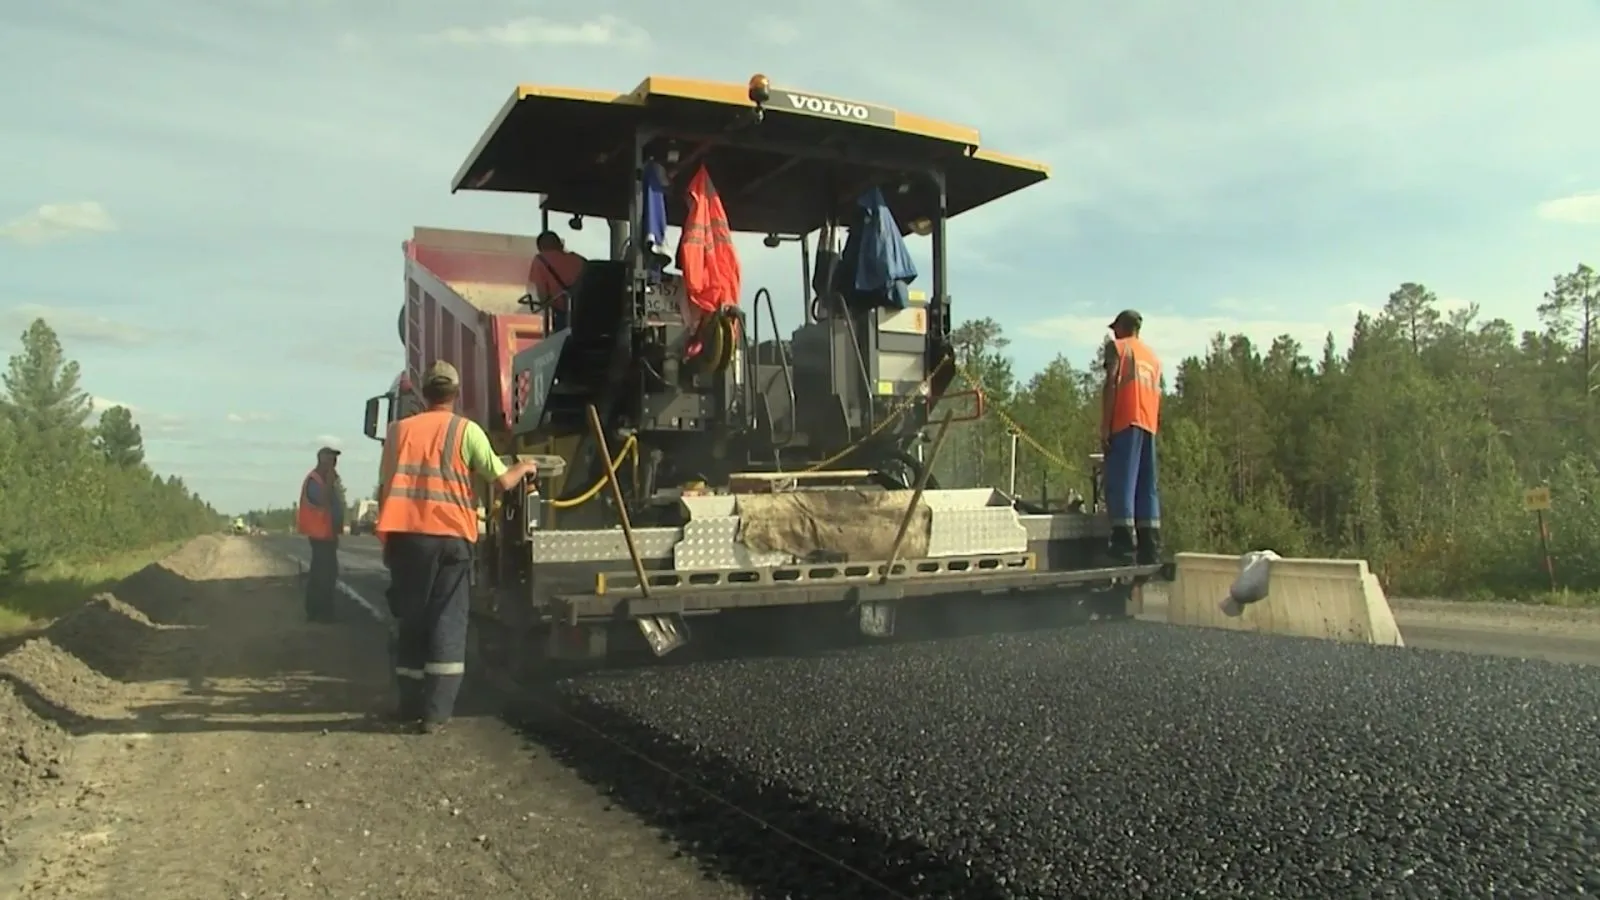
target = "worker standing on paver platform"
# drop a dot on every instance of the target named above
(428, 522)
(555, 273)
(1130, 415)
(321, 519)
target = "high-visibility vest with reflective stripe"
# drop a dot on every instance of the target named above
(706, 255)
(431, 490)
(311, 520)
(1138, 396)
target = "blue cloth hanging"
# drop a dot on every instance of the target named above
(875, 269)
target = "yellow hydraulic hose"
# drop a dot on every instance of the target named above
(631, 445)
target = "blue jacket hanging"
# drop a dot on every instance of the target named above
(655, 219)
(875, 269)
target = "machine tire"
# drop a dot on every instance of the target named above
(1111, 605)
(900, 462)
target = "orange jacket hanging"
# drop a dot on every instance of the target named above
(706, 256)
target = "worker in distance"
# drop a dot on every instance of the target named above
(320, 518)
(1130, 416)
(428, 523)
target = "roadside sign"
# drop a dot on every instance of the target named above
(1537, 501)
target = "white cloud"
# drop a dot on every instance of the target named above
(55, 221)
(1334, 101)
(243, 418)
(1175, 337)
(773, 30)
(75, 325)
(351, 42)
(151, 423)
(1577, 209)
(344, 356)
(602, 31)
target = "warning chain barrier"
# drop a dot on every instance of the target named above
(985, 404)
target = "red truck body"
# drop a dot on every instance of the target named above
(462, 293)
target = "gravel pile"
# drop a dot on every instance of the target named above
(1131, 761)
(33, 752)
(110, 636)
(70, 688)
(160, 592)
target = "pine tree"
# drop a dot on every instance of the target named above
(43, 397)
(118, 437)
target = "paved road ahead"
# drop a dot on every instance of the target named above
(1470, 628)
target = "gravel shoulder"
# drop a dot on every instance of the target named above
(191, 738)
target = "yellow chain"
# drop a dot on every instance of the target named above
(1016, 427)
(916, 397)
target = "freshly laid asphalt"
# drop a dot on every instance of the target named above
(1129, 760)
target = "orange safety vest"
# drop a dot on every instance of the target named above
(311, 520)
(431, 489)
(706, 256)
(1138, 389)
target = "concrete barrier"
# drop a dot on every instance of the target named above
(1333, 599)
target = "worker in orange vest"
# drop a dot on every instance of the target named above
(1130, 417)
(428, 522)
(320, 518)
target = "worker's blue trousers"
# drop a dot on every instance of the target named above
(430, 597)
(1132, 500)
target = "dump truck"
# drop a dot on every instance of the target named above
(697, 465)
(364, 517)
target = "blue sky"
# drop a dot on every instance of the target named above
(207, 199)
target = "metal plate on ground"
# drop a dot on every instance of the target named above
(664, 633)
(876, 619)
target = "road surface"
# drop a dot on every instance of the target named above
(209, 744)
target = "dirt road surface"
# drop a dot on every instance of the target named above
(212, 746)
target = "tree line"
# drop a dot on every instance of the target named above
(74, 487)
(1412, 449)
(284, 518)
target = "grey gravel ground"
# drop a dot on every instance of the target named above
(234, 757)
(1134, 760)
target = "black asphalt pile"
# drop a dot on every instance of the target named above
(1129, 761)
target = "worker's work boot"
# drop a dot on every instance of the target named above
(1149, 553)
(1121, 549)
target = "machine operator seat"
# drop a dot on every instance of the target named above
(597, 301)
(595, 304)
